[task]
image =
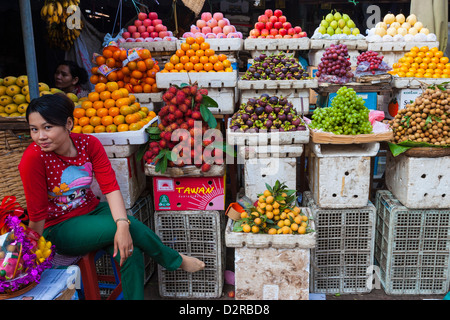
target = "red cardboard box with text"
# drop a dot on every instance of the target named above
(189, 193)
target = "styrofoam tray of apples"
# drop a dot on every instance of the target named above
(266, 138)
(277, 84)
(125, 137)
(205, 80)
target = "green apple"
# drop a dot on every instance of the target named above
(330, 30)
(322, 30)
(337, 16)
(355, 31)
(346, 17)
(350, 24)
(346, 30)
(329, 17)
(342, 23)
(334, 24)
(324, 23)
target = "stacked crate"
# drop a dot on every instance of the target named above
(413, 225)
(339, 180)
(318, 47)
(188, 205)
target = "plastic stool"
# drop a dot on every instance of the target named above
(90, 279)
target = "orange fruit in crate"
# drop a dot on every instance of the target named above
(137, 88)
(111, 128)
(94, 79)
(77, 129)
(114, 111)
(99, 129)
(102, 112)
(180, 52)
(190, 40)
(112, 76)
(132, 65)
(95, 121)
(90, 113)
(135, 126)
(87, 129)
(97, 104)
(109, 103)
(79, 112)
(99, 60)
(83, 121)
(119, 119)
(107, 120)
(122, 127)
(147, 88)
(204, 46)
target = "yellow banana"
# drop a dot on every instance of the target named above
(44, 11)
(51, 9)
(55, 17)
(59, 8)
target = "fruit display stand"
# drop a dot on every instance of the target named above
(420, 181)
(345, 243)
(393, 51)
(220, 86)
(412, 247)
(297, 91)
(197, 234)
(284, 259)
(290, 46)
(339, 175)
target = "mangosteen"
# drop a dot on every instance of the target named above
(294, 70)
(286, 109)
(249, 109)
(234, 128)
(258, 123)
(251, 70)
(259, 110)
(282, 117)
(276, 60)
(261, 102)
(277, 70)
(289, 76)
(301, 128)
(251, 102)
(284, 70)
(277, 123)
(264, 95)
(262, 56)
(245, 117)
(249, 123)
(268, 123)
(256, 75)
(254, 117)
(273, 100)
(268, 109)
(265, 65)
(282, 101)
(276, 109)
(272, 76)
(296, 121)
(289, 117)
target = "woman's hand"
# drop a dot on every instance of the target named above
(123, 241)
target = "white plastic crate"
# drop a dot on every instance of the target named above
(121, 151)
(266, 138)
(126, 137)
(222, 44)
(130, 176)
(317, 44)
(419, 183)
(344, 248)
(197, 234)
(299, 97)
(268, 46)
(339, 175)
(147, 98)
(415, 83)
(154, 46)
(315, 56)
(412, 247)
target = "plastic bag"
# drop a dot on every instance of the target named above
(363, 69)
(333, 79)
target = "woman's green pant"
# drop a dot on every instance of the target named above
(96, 230)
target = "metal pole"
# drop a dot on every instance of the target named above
(28, 42)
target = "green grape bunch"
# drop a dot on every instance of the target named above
(347, 115)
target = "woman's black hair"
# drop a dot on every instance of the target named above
(75, 71)
(54, 108)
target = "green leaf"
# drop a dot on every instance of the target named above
(209, 102)
(428, 120)
(208, 117)
(269, 188)
(183, 85)
(142, 150)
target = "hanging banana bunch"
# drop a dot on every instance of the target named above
(63, 22)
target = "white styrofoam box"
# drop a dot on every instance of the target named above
(259, 171)
(271, 151)
(130, 176)
(281, 274)
(223, 44)
(415, 83)
(148, 97)
(298, 97)
(339, 175)
(125, 137)
(391, 57)
(277, 84)
(419, 183)
(225, 98)
(326, 43)
(266, 138)
(154, 46)
(314, 56)
(121, 151)
(289, 46)
(204, 80)
(404, 46)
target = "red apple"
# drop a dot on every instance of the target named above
(273, 32)
(297, 29)
(147, 22)
(142, 16)
(278, 36)
(228, 29)
(212, 23)
(159, 28)
(218, 16)
(282, 19)
(296, 36)
(138, 23)
(163, 34)
(136, 35)
(206, 30)
(287, 36)
(264, 32)
(278, 25)
(154, 34)
(126, 35)
(259, 25)
(287, 25)
(273, 19)
(255, 33)
(303, 34)
(142, 29)
(132, 29)
(269, 25)
(194, 29)
(145, 34)
(153, 15)
(222, 23)
(150, 29)
(291, 31)
(268, 12)
(278, 13)
(206, 16)
(155, 22)
(201, 23)
(270, 36)
(282, 31)
(140, 39)
(263, 18)
(217, 30)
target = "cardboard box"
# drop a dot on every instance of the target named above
(189, 193)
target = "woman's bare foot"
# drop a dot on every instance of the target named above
(191, 264)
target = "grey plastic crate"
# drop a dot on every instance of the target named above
(412, 247)
(344, 248)
(197, 234)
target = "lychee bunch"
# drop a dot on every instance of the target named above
(180, 111)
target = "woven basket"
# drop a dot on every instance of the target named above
(12, 146)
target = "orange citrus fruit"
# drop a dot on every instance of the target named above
(87, 129)
(122, 127)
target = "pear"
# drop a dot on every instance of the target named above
(395, 25)
(346, 30)
(338, 31)
(334, 24)
(337, 16)
(412, 19)
(355, 31)
(342, 23)
(346, 17)
(425, 31)
(324, 23)
(379, 31)
(381, 24)
(389, 18)
(329, 17)
(350, 24)
(322, 30)
(402, 31)
(413, 31)
(391, 31)
(418, 25)
(330, 31)
(400, 18)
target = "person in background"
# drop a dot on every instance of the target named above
(69, 77)
(57, 171)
